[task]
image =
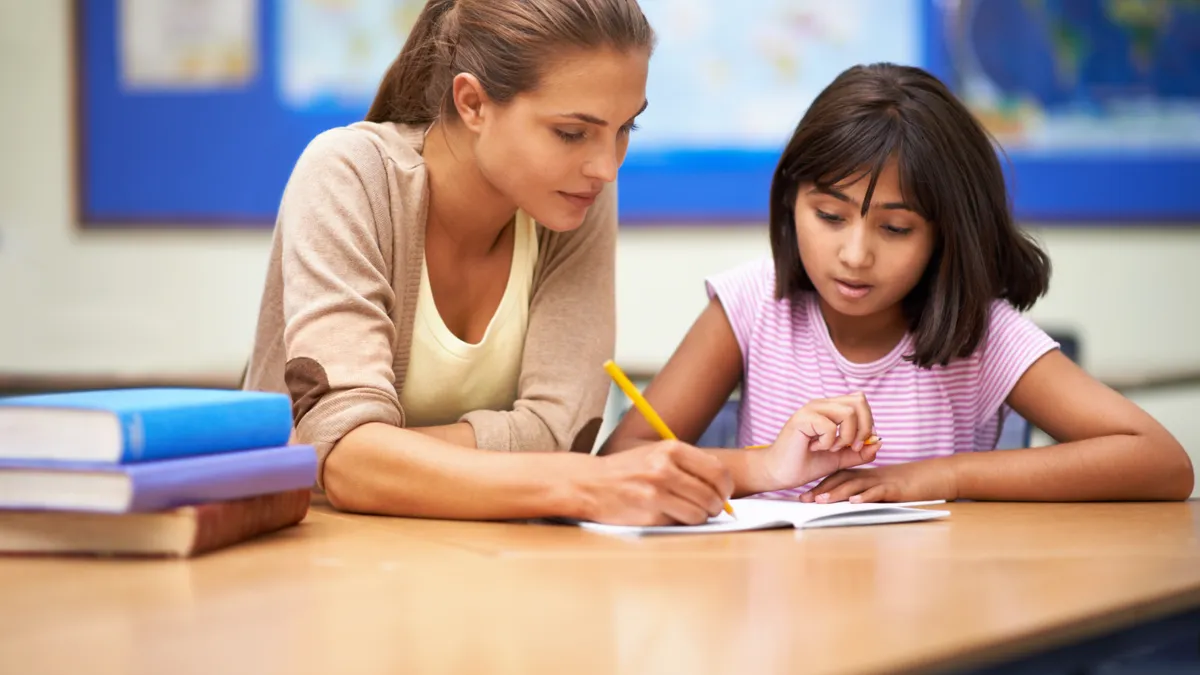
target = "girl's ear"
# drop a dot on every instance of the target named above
(469, 99)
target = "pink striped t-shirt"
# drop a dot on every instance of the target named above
(789, 358)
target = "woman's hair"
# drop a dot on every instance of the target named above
(504, 43)
(949, 172)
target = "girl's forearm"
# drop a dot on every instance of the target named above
(1110, 468)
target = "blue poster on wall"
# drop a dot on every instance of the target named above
(194, 113)
(1095, 102)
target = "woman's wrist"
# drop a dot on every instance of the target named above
(569, 484)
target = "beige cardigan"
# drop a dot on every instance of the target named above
(335, 323)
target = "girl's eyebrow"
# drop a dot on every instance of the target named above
(842, 196)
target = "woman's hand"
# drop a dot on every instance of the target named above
(824, 436)
(910, 482)
(663, 483)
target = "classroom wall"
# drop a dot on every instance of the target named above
(151, 302)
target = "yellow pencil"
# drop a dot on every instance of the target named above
(643, 406)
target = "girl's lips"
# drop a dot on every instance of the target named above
(851, 290)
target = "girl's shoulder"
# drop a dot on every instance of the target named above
(1009, 330)
(1010, 335)
(747, 296)
(750, 283)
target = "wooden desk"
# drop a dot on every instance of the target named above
(345, 593)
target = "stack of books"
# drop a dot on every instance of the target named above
(149, 472)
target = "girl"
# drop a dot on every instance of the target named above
(439, 299)
(891, 307)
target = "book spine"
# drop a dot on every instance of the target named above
(228, 426)
(195, 480)
(133, 437)
(220, 525)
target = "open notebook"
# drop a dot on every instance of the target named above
(763, 514)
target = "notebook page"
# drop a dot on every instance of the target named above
(760, 514)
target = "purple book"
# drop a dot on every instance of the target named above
(154, 486)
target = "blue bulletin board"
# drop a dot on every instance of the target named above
(195, 116)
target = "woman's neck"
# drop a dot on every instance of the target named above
(466, 212)
(863, 339)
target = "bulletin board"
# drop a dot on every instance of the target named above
(193, 113)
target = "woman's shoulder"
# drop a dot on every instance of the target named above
(365, 145)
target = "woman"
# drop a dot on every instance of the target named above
(440, 293)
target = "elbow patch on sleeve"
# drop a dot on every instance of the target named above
(585, 440)
(307, 383)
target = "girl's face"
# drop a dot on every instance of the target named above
(553, 149)
(862, 265)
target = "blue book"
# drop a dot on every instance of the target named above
(138, 425)
(153, 486)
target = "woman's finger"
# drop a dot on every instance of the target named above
(697, 492)
(682, 510)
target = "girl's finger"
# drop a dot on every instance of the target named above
(871, 495)
(844, 491)
(865, 420)
(831, 481)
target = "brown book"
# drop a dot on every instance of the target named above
(180, 533)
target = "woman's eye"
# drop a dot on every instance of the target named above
(570, 136)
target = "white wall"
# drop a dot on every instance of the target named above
(144, 302)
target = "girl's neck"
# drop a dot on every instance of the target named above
(466, 212)
(864, 339)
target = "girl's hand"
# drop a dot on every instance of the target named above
(911, 482)
(824, 436)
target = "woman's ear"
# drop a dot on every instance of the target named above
(469, 100)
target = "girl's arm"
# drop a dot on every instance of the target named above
(689, 391)
(1109, 448)
(691, 388)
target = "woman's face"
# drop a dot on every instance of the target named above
(552, 150)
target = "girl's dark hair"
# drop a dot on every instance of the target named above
(504, 43)
(950, 172)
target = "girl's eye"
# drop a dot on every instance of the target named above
(569, 136)
(828, 217)
(893, 229)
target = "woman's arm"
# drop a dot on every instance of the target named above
(460, 433)
(338, 339)
(381, 469)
